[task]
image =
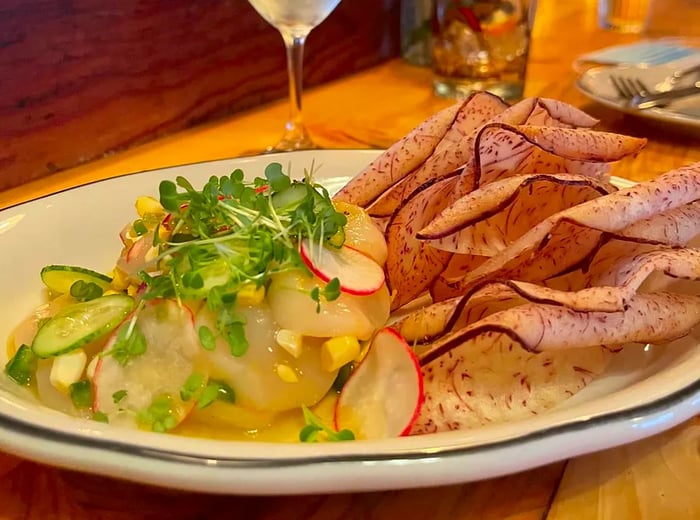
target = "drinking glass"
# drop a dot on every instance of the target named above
(481, 45)
(294, 19)
(626, 16)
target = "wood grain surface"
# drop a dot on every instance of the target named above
(83, 78)
(655, 478)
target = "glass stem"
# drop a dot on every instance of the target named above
(295, 135)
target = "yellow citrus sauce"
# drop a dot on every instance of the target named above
(285, 427)
(221, 421)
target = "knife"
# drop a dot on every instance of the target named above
(663, 98)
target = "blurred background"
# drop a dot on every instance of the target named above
(83, 78)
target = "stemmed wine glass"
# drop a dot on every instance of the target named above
(294, 19)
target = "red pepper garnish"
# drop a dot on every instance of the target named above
(262, 188)
(471, 19)
(166, 221)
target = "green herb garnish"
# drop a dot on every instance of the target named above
(233, 233)
(119, 396)
(22, 367)
(316, 431)
(329, 293)
(195, 388)
(208, 395)
(81, 394)
(100, 417)
(160, 416)
(216, 391)
(226, 393)
(130, 343)
(140, 227)
(192, 387)
(206, 338)
(85, 291)
(342, 377)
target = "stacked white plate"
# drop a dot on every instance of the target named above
(652, 62)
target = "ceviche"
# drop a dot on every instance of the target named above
(229, 305)
(482, 269)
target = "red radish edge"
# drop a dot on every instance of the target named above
(358, 372)
(358, 273)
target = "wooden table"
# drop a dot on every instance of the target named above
(654, 478)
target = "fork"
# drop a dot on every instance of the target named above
(638, 95)
(628, 87)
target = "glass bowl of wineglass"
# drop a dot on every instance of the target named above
(294, 19)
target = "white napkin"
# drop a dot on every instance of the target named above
(644, 53)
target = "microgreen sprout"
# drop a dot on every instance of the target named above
(196, 387)
(329, 293)
(161, 415)
(316, 431)
(119, 396)
(232, 233)
(130, 343)
(100, 417)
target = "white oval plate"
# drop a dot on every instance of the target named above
(684, 113)
(644, 392)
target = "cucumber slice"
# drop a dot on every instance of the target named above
(291, 197)
(80, 324)
(60, 278)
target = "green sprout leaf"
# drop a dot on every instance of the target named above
(140, 227)
(276, 177)
(100, 417)
(160, 416)
(208, 395)
(329, 293)
(168, 196)
(206, 338)
(226, 393)
(130, 343)
(119, 396)
(192, 387)
(316, 431)
(332, 290)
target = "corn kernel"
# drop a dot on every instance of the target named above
(286, 374)
(290, 341)
(151, 254)
(364, 348)
(67, 369)
(119, 279)
(148, 205)
(132, 290)
(250, 295)
(163, 233)
(339, 351)
(350, 210)
(92, 367)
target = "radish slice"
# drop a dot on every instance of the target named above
(172, 351)
(384, 394)
(358, 274)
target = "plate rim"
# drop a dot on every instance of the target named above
(636, 412)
